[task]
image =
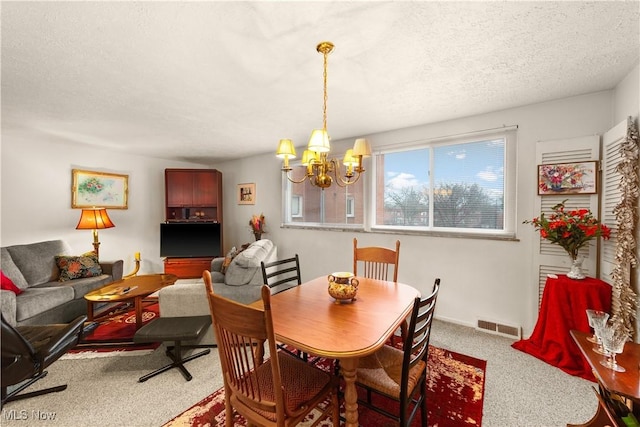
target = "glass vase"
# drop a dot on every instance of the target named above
(576, 269)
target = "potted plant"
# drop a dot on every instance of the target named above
(257, 226)
(571, 229)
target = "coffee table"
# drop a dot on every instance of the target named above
(134, 288)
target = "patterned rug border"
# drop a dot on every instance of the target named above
(193, 416)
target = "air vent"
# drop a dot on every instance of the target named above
(499, 329)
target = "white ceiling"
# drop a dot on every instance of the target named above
(209, 81)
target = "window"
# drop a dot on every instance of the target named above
(448, 185)
(351, 207)
(333, 206)
(454, 185)
(296, 206)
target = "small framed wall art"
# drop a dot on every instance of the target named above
(247, 194)
(98, 189)
(568, 178)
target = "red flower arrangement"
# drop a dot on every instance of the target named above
(570, 229)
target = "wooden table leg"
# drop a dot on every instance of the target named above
(348, 367)
(90, 311)
(138, 305)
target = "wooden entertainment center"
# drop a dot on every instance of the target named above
(192, 196)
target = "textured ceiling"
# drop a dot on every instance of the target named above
(209, 81)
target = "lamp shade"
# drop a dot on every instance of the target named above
(348, 159)
(309, 156)
(286, 149)
(319, 141)
(361, 148)
(94, 219)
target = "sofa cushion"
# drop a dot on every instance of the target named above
(230, 257)
(246, 267)
(78, 267)
(81, 287)
(8, 285)
(11, 269)
(254, 254)
(36, 261)
(40, 299)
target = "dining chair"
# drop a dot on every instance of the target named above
(376, 262)
(280, 391)
(281, 275)
(401, 374)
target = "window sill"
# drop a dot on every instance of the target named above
(509, 237)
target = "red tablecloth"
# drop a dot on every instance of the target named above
(563, 308)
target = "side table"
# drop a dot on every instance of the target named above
(563, 308)
(624, 387)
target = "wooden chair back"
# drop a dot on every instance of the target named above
(282, 274)
(376, 261)
(256, 388)
(241, 331)
(416, 348)
(402, 375)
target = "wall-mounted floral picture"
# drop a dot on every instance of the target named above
(568, 178)
(98, 189)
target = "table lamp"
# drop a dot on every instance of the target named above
(94, 219)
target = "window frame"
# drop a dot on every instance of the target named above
(369, 191)
(287, 216)
(510, 167)
(300, 206)
(350, 208)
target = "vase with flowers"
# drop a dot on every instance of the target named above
(257, 226)
(571, 229)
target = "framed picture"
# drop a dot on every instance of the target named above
(98, 189)
(247, 194)
(568, 178)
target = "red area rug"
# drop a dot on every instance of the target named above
(455, 397)
(115, 334)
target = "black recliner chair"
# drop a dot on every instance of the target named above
(28, 350)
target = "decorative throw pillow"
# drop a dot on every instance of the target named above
(8, 285)
(78, 267)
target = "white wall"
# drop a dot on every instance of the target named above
(480, 278)
(36, 197)
(489, 279)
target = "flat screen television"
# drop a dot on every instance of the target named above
(190, 239)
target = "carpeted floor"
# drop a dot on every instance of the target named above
(455, 388)
(520, 390)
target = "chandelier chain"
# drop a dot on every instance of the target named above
(315, 158)
(324, 107)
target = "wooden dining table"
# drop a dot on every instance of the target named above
(309, 319)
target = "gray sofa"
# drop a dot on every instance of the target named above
(44, 300)
(241, 282)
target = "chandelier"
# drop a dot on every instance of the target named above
(315, 157)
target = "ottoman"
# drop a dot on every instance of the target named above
(176, 329)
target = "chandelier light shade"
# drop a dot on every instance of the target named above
(286, 151)
(94, 219)
(315, 157)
